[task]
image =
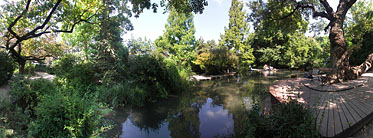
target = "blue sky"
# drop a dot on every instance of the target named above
(209, 25)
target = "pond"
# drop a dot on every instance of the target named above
(210, 109)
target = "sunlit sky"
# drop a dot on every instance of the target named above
(209, 25)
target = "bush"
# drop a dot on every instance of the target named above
(27, 93)
(147, 78)
(156, 75)
(122, 94)
(290, 120)
(65, 114)
(76, 74)
(217, 61)
(7, 67)
(30, 68)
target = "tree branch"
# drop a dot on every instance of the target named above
(321, 14)
(344, 6)
(61, 31)
(327, 7)
(36, 58)
(16, 20)
(305, 6)
(45, 21)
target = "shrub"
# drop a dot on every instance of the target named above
(217, 61)
(122, 94)
(27, 93)
(76, 74)
(30, 68)
(7, 67)
(156, 75)
(65, 114)
(290, 120)
(147, 78)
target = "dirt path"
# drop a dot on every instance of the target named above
(5, 88)
(4, 93)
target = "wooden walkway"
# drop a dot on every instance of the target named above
(212, 77)
(338, 114)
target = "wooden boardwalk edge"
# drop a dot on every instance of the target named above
(336, 106)
(356, 127)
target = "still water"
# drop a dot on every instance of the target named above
(210, 109)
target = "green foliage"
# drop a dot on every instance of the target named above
(77, 74)
(286, 120)
(14, 121)
(147, 79)
(236, 35)
(156, 75)
(65, 114)
(281, 42)
(270, 55)
(298, 52)
(302, 51)
(178, 41)
(29, 68)
(28, 93)
(122, 94)
(217, 61)
(358, 32)
(7, 67)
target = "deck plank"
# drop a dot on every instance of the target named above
(324, 116)
(345, 116)
(338, 127)
(331, 116)
(355, 106)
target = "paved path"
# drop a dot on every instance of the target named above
(340, 110)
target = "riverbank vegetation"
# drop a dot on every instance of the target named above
(80, 42)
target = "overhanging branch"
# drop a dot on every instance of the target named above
(45, 21)
(327, 7)
(36, 57)
(17, 19)
(306, 6)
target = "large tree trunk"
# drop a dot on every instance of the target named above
(339, 56)
(363, 67)
(21, 65)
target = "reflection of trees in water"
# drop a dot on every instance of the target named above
(118, 117)
(182, 111)
(151, 117)
(185, 122)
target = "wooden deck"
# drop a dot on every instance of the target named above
(212, 77)
(339, 113)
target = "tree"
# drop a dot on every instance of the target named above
(140, 46)
(359, 34)
(236, 35)
(339, 54)
(24, 20)
(272, 36)
(178, 41)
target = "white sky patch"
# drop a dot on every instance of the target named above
(219, 1)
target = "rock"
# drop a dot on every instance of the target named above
(308, 75)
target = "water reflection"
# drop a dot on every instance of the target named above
(216, 120)
(212, 108)
(132, 131)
